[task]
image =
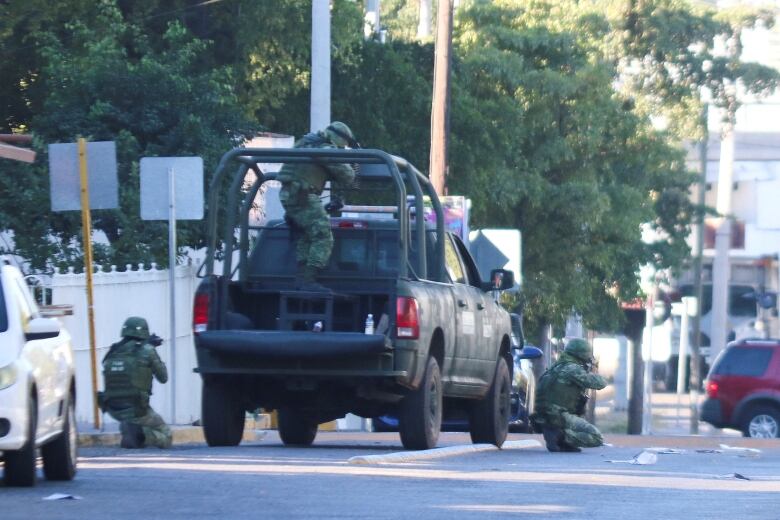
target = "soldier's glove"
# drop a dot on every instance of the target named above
(334, 206)
(155, 340)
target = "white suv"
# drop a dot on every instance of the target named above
(37, 387)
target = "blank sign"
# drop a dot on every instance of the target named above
(66, 181)
(188, 187)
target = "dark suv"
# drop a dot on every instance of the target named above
(743, 388)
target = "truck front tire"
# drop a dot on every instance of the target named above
(20, 465)
(489, 418)
(420, 412)
(222, 414)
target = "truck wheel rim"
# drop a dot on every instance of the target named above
(763, 427)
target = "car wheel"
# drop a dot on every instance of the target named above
(419, 420)
(489, 418)
(294, 428)
(762, 422)
(20, 464)
(222, 414)
(59, 455)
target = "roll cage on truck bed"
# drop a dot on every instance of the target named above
(444, 342)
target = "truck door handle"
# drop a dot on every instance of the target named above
(480, 306)
(462, 303)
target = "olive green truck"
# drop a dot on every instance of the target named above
(440, 341)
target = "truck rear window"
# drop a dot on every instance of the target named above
(3, 313)
(743, 361)
(355, 252)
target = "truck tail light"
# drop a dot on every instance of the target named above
(200, 312)
(407, 320)
(712, 389)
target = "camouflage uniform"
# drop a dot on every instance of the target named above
(302, 185)
(561, 398)
(128, 369)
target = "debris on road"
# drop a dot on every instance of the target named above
(642, 459)
(665, 451)
(742, 452)
(735, 476)
(62, 496)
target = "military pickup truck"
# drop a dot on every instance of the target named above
(441, 341)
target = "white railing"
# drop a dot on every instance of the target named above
(138, 291)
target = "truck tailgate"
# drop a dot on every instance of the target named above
(292, 344)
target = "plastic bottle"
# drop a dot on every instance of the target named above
(370, 324)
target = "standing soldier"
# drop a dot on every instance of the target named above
(561, 399)
(302, 185)
(127, 371)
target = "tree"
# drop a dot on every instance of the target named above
(105, 82)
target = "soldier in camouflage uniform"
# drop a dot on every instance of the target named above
(561, 398)
(128, 369)
(302, 185)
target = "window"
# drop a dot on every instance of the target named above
(468, 262)
(3, 314)
(744, 361)
(452, 261)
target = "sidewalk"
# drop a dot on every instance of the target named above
(670, 418)
(182, 433)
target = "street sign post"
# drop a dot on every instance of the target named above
(72, 189)
(172, 189)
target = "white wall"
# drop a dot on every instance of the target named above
(118, 295)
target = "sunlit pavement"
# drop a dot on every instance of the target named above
(264, 479)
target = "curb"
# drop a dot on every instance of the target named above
(436, 453)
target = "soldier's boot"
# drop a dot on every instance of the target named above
(132, 436)
(552, 437)
(308, 282)
(565, 446)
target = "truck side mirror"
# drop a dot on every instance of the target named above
(530, 352)
(500, 280)
(42, 328)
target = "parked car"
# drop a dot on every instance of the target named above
(743, 389)
(37, 388)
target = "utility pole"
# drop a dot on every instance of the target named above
(695, 381)
(440, 104)
(424, 23)
(721, 267)
(320, 65)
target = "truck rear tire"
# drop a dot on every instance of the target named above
(419, 421)
(222, 414)
(294, 429)
(489, 418)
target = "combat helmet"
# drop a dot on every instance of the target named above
(135, 327)
(580, 349)
(339, 134)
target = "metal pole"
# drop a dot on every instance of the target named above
(647, 409)
(172, 284)
(682, 359)
(86, 229)
(697, 270)
(320, 65)
(424, 23)
(371, 19)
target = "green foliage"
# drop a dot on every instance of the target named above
(105, 82)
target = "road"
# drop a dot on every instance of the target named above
(267, 480)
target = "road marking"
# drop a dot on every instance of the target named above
(436, 453)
